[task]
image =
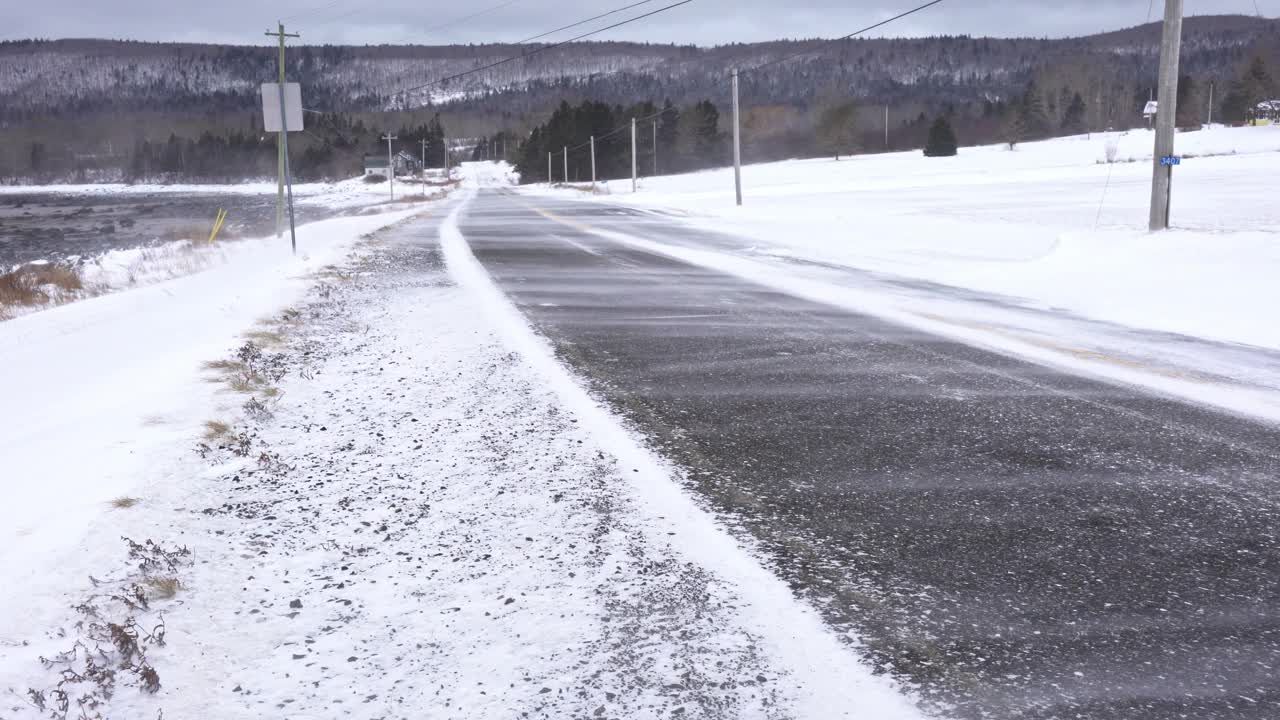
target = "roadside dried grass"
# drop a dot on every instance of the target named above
(215, 429)
(37, 284)
(162, 588)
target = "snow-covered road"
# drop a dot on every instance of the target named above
(1017, 538)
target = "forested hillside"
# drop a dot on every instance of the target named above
(89, 109)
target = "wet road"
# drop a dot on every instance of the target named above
(1021, 542)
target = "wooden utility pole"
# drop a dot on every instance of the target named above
(424, 166)
(635, 168)
(1166, 116)
(281, 140)
(593, 163)
(737, 142)
(566, 164)
(391, 164)
(655, 148)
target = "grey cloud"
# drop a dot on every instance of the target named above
(703, 22)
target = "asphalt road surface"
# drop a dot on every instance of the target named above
(1019, 542)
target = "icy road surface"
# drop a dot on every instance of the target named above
(1022, 542)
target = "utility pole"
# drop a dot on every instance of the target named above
(1166, 116)
(1210, 103)
(634, 167)
(566, 164)
(391, 164)
(445, 142)
(593, 163)
(737, 143)
(424, 166)
(655, 148)
(886, 127)
(548, 169)
(280, 140)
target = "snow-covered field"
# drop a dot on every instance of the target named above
(1052, 223)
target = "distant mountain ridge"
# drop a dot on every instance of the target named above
(90, 110)
(42, 77)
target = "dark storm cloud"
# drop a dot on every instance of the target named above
(703, 22)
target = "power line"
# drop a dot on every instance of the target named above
(543, 49)
(432, 28)
(867, 29)
(784, 58)
(316, 9)
(582, 22)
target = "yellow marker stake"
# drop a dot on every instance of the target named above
(217, 223)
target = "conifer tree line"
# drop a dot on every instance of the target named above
(686, 139)
(333, 147)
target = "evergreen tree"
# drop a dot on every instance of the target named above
(1073, 119)
(668, 135)
(1035, 119)
(1251, 88)
(836, 127)
(942, 139)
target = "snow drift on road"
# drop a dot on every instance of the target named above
(1051, 222)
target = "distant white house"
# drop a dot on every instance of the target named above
(376, 165)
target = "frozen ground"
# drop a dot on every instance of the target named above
(419, 515)
(1051, 223)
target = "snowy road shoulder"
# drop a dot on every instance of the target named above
(100, 392)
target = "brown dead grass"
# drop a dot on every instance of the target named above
(124, 503)
(585, 189)
(30, 284)
(248, 382)
(162, 588)
(225, 366)
(265, 338)
(215, 429)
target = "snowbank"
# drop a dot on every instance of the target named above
(95, 392)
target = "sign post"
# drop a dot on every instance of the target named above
(282, 112)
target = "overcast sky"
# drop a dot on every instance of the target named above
(705, 22)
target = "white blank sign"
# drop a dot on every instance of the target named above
(271, 106)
